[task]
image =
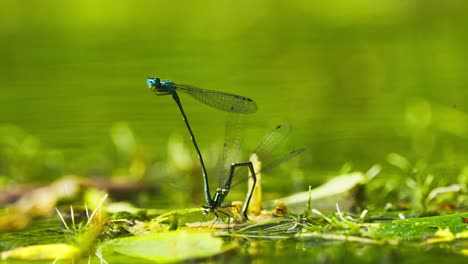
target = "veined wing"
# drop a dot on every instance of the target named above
(265, 153)
(220, 100)
(232, 145)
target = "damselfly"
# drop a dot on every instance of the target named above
(223, 101)
(236, 172)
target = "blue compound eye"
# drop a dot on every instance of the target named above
(153, 81)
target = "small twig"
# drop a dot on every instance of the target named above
(339, 212)
(363, 214)
(98, 207)
(62, 219)
(72, 215)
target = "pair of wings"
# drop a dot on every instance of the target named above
(237, 105)
(265, 151)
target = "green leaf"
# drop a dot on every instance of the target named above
(417, 228)
(171, 246)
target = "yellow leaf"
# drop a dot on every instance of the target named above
(42, 252)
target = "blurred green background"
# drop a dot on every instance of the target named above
(356, 79)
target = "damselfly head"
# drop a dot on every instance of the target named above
(153, 83)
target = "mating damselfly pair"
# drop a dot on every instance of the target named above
(234, 170)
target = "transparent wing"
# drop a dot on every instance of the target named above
(265, 153)
(232, 145)
(281, 160)
(272, 140)
(220, 100)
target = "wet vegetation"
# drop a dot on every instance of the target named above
(74, 217)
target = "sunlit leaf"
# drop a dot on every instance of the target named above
(336, 190)
(42, 252)
(444, 228)
(170, 247)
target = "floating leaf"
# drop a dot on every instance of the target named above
(440, 228)
(170, 247)
(42, 252)
(442, 235)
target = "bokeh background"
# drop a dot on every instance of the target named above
(357, 80)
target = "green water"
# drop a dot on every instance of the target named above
(357, 80)
(344, 75)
